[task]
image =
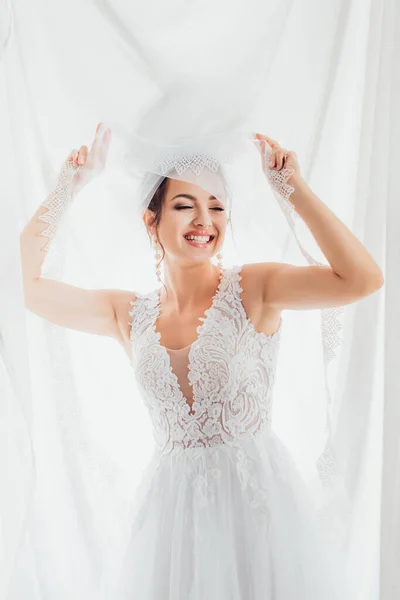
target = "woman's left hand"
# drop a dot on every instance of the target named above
(278, 157)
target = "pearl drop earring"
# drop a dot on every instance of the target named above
(157, 256)
(219, 256)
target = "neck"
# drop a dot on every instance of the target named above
(189, 286)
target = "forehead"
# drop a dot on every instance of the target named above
(176, 186)
(203, 186)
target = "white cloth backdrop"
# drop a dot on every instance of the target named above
(388, 136)
(331, 85)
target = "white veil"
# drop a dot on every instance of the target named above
(173, 81)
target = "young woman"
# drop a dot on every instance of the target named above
(224, 513)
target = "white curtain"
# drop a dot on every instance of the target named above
(327, 86)
(389, 104)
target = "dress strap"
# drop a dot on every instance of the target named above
(143, 313)
(235, 279)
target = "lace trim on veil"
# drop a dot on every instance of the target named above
(95, 469)
(330, 317)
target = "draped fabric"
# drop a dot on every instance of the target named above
(75, 435)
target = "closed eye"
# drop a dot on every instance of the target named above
(213, 208)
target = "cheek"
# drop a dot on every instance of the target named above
(180, 216)
(175, 223)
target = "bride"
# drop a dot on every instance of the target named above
(224, 513)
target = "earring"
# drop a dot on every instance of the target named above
(157, 256)
(219, 256)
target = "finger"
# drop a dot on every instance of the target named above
(272, 160)
(97, 138)
(72, 157)
(260, 145)
(105, 146)
(264, 149)
(280, 159)
(76, 158)
(271, 142)
(82, 155)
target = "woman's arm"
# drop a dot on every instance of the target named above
(65, 305)
(353, 273)
(92, 311)
(348, 257)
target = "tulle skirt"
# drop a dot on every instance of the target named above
(226, 523)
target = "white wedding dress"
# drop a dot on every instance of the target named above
(221, 512)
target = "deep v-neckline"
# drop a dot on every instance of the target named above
(165, 350)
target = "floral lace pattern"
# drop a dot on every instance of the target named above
(196, 162)
(57, 202)
(231, 368)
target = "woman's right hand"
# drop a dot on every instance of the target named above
(90, 163)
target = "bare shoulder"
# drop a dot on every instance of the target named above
(255, 276)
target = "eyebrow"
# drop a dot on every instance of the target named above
(190, 197)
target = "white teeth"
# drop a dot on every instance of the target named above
(198, 238)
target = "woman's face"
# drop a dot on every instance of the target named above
(190, 210)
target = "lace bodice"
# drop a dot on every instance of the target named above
(231, 370)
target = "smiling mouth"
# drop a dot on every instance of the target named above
(199, 243)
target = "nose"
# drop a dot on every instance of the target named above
(202, 218)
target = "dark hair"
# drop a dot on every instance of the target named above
(155, 205)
